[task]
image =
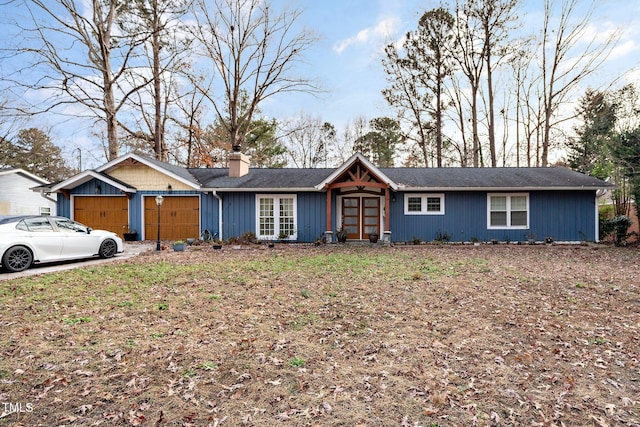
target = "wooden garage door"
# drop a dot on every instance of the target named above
(102, 212)
(179, 218)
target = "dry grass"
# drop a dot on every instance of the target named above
(329, 336)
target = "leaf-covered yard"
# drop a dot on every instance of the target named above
(328, 336)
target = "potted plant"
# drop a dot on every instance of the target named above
(283, 236)
(373, 237)
(341, 235)
(130, 235)
(217, 245)
(531, 238)
(178, 246)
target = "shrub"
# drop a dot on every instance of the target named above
(249, 237)
(442, 237)
(617, 227)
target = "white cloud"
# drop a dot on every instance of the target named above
(373, 35)
(623, 50)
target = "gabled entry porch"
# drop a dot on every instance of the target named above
(357, 201)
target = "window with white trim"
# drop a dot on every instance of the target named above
(45, 210)
(276, 217)
(423, 204)
(508, 210)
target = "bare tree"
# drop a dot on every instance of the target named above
(307, 140)
(254, 51)
(80, 52)
(351, 133)
(495, 18)
(164, 49)
(567, 59)
(189, 122)
(469, 54)
(519, 64)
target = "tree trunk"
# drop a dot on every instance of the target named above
(159, 150)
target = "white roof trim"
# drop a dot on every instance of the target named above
(87, 176)
(25, 173)
(146, 162)
(346, 165)
(262, 190)
(497, 189)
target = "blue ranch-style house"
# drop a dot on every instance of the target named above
(303, 205)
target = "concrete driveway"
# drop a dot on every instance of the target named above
(130, 250)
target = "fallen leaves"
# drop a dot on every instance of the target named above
(415, 336)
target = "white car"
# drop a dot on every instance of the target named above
(29, 239)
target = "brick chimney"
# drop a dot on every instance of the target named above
(238, 165)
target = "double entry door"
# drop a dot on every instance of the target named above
(361, 216)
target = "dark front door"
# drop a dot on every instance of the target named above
(351, 216)
(361, 216)
(370, 216)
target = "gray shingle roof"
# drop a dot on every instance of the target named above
(461, 178)
(419, 178)
(261, 178)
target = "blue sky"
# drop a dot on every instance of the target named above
(347, 59)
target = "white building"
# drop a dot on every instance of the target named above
(17, 198)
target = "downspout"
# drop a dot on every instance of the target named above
(215, 194)
(45, 196)
(597, 221)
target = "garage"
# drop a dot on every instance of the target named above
(179, 218)
(102, 212)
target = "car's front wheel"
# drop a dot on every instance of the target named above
(17, 258)
(108, 248)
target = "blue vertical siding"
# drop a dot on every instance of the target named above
(312, 216)
(136, 213)
(209, 214)
(239, 214)
(63, 206)
(562, 215)
(465, 218)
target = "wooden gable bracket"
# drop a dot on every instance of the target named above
(66, 193)
(360, 178)
(358, 185)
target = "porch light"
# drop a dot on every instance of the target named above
(159, 200)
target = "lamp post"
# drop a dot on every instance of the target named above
(159, 200)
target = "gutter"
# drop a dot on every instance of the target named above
(501, 189)
(263, 190)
